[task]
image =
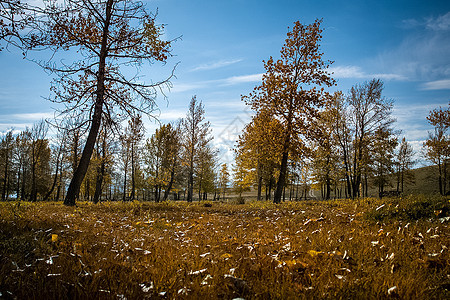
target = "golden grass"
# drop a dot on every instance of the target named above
(309, 249)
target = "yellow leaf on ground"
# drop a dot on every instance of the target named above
(314, 253)
(295, 263)
(54, 238)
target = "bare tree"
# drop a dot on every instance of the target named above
(38, 146)
(58, 154)
(366, 112)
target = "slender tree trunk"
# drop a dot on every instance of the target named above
(133, 173)
(328, 188)
(258, 198)
(281, 179)
(124, 198)
(444, 183)
(155, 192)
(283, 171)
(199, 189)
(291, 188)
(270, 189)
(100, 172)
(18, 183)
(80, 172)
(347, 177)
(98, 182)
(33, 196)
(58, 190)
(5, 179)
(190, 185)
(55, 179)
(169, 186)
(22, 194)
(88, 189)
(402, 179)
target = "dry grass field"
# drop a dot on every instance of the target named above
(362, 249)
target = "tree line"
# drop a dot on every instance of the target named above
(300, 135)
(177, 160)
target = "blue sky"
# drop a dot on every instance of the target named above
(405, 43)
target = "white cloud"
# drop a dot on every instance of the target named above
(172, 115)
(23, 120)
(357, 72)
(243, 79)
(422, 54)
(440, 23)
(443, 84)
(216, 65)
(32, 116)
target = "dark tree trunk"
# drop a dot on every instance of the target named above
(80, 172)
(157, 193)
(100, 172)
(58, 190)
(98, 183)
(22, 194)
(5, 179)
(282, 178)
(169, 186)
(259, 181)
(190, 186)
(55, 179)
(18, 183)
(87, 189)
(33, 196)
(133, 173)
(124, 197)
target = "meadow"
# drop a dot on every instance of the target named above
(358, 249)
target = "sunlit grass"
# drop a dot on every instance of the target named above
(366, 248)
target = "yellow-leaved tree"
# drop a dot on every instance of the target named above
(292, 92)
(437, 146)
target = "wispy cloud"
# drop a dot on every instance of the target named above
(32, 116)
(216, 65)
(172, 115)
(21, 121)
(233, 80)
(422, 54)
(439, 23)
(443, 84)
(242, 79)
(357, 72)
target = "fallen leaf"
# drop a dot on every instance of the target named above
(54, 238)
